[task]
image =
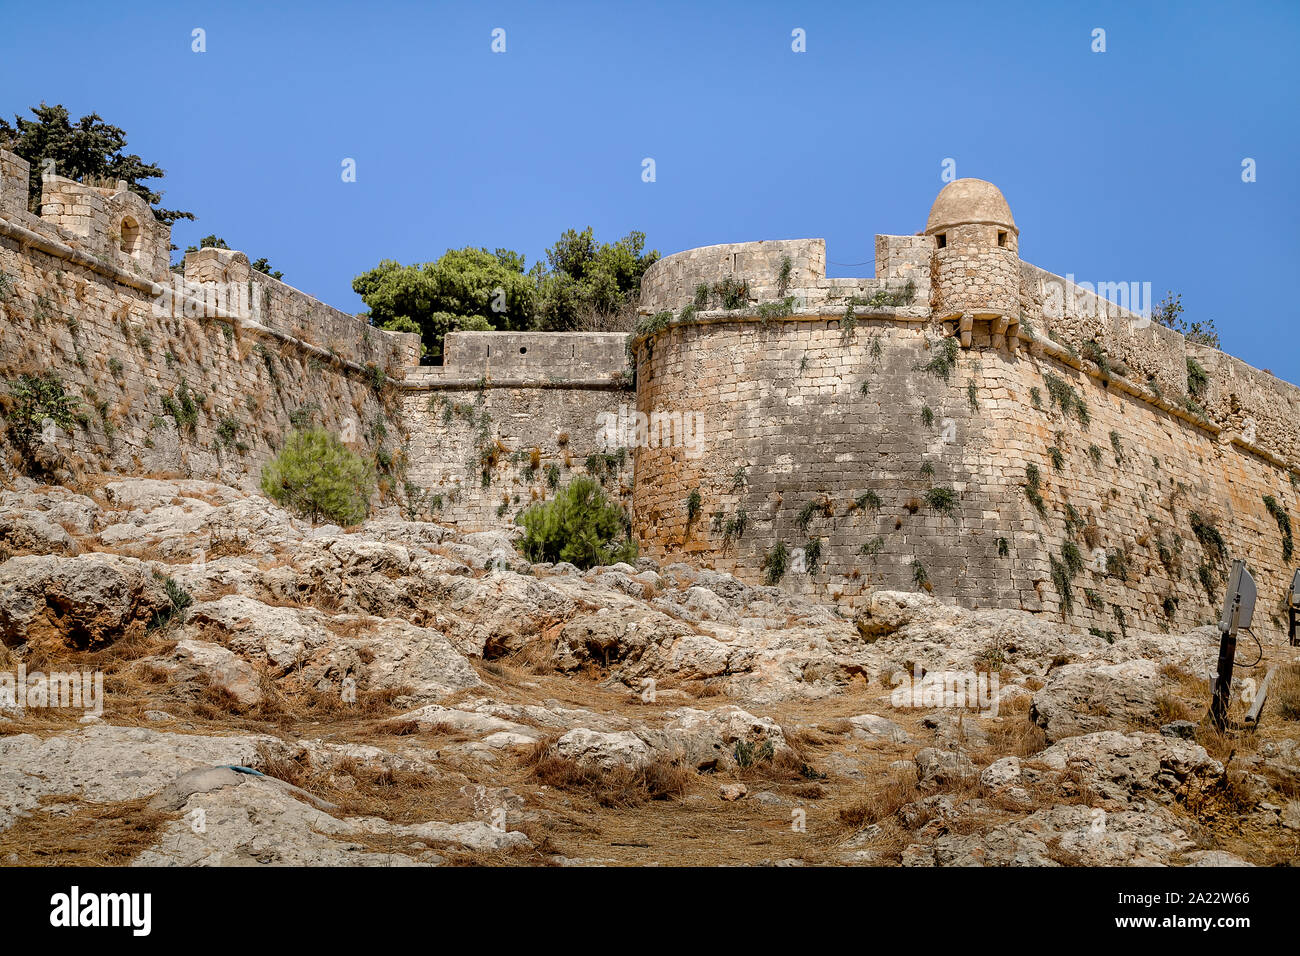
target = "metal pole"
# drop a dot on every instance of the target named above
(1221, 700)
(1252, 715)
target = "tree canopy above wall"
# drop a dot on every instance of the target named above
(88, 150)
(582, 285)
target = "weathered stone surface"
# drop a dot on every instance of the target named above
(84, 601)
(1001, 773)
(397, 603)
(251, 822)
(708, 739)
(873, 727)
(1071, 835)
(941, 767)
(31, 532)
(102, 764)
(604, 750)
(1126, 767)
(221, 667)
(1086, 697)
(324, 651)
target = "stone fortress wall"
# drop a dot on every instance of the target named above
(199, 374)
(946, 423)
(997, 439)
(509, 417)
(202, 373)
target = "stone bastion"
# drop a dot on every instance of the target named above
(962, 422)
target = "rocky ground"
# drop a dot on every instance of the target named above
(402, 694)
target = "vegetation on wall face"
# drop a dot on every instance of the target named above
(1208, 535)
(734, 527)
(812, 555)
(867, 501)
(1197, 378)
(945, 360)
(650, 325)
(775, 563)
(783, 277)
(1072, 558)
(1283, 525)
(182, 407)
(693, 502)
(807, 513)
(1061, 581)
(888, 298)
(1033, 482)
(603, 465)
(942, 500)
(731, 293)
(767, 311)
(1063, 395)
(1117, 564)
(1168, 312)
(1106, 367)
(32, 399)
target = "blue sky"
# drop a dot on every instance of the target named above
(1119, 166)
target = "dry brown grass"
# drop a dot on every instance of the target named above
(1284, 693)
(1222, 745)
(617, 787)
(287, 701)
(881, 802)
(65, 832)
(704, 688)
(1014, 737)
(533, 658)
(360, 789)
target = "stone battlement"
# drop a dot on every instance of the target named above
(676, 281)
(963, 269)
(523, 359)
(113, 232)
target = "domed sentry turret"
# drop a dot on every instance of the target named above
(976, 266)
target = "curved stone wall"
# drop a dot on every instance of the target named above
(851, 449)
(823, 434)
(670, 282)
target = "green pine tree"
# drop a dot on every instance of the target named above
(318, 477)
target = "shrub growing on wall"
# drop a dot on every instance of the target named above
(316, 476)
(31, 400)
(579, 525)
